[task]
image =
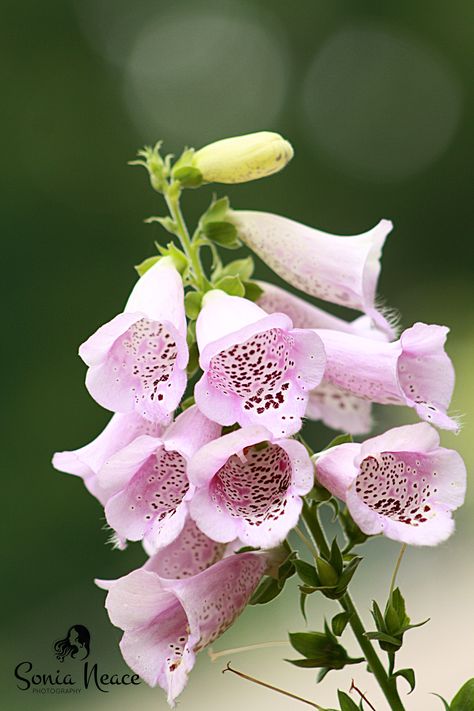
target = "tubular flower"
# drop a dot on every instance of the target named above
(258, 369)
(88, 460)
(146, 482)
(413, 371)
(137, 361)
(167, 621)
(401, 483)
(336, 407)
(343, 270)
(249, 486)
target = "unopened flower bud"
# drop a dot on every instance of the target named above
(243, 158)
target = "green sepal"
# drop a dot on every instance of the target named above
(408, 675)
(319, 494)
(166, 222)
(231, 285)
(242, 268)
(446, 705)
(307, 573)
(192, 304)
(222, 233)
(217, 211)
(144, 266)
(339, 623)
(247, 549)
(193, 362)
(339, 439)
(252, 290)
(271, 586)
(188, 176)
(187, 403)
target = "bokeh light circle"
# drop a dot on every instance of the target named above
(202, 75)
(382, 105)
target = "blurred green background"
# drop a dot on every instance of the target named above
(375, 98)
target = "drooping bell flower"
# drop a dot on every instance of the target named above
(166, 622)
(147, 484)
(189, 554)
(401, 483)
(343, 270)
(414, 370)
(88, 460)
(336, 407)
(258, 369)
(249, 486)
(137, 362)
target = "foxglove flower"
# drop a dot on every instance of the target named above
(249, 486)
(401, 483)
(258, 369)
(343, 270)
(413, 371)
(167, 621)
(137, 362)
(147, 484)
(88, 460)
(336, 407)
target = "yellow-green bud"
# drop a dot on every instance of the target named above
(243, 158)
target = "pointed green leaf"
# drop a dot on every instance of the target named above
(336, 557)
(231, 285)
(339, 622)
(144, 266)
(303, 598)
(446, 705)
(339, 439)
(222, 233)
(252, 290)
(307, 573)
(217, 211)
(408, 675)
(192, 304)
(464, 699)
(242, 268)
(383, 637)
(345, 702)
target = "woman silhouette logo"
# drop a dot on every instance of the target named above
(76, 644)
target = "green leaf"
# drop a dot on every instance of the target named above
(339, 439)
(339, 622)
(307, 573)
(242, 268)
(187, 402)
(345, 702)
(188, 176)
(319, 494)
(192, 304)
(231, 285)
(408, 675)
(383, 637)
(303, 598)
(222, 233)
(180, 260)
(319, 648)
(252, 290)
(326, 573)
(144, 266)
(266, 591)
(464, 699)
(446, 705)
(166, 222)
(336, 557)
(193, 362)
(247, 549)
(217, 211)
(378, 617)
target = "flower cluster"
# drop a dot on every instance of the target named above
(197, 480)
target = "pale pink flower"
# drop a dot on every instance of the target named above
(336, 407)
(137, 362)
(343, 270)
(401, 483)
(88, 460)
(249, 486)
(258, 369)
(146, 483)
(167, 621)
(414, 370)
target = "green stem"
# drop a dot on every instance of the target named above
(310, 517)
(191, 250)
(387, 685)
